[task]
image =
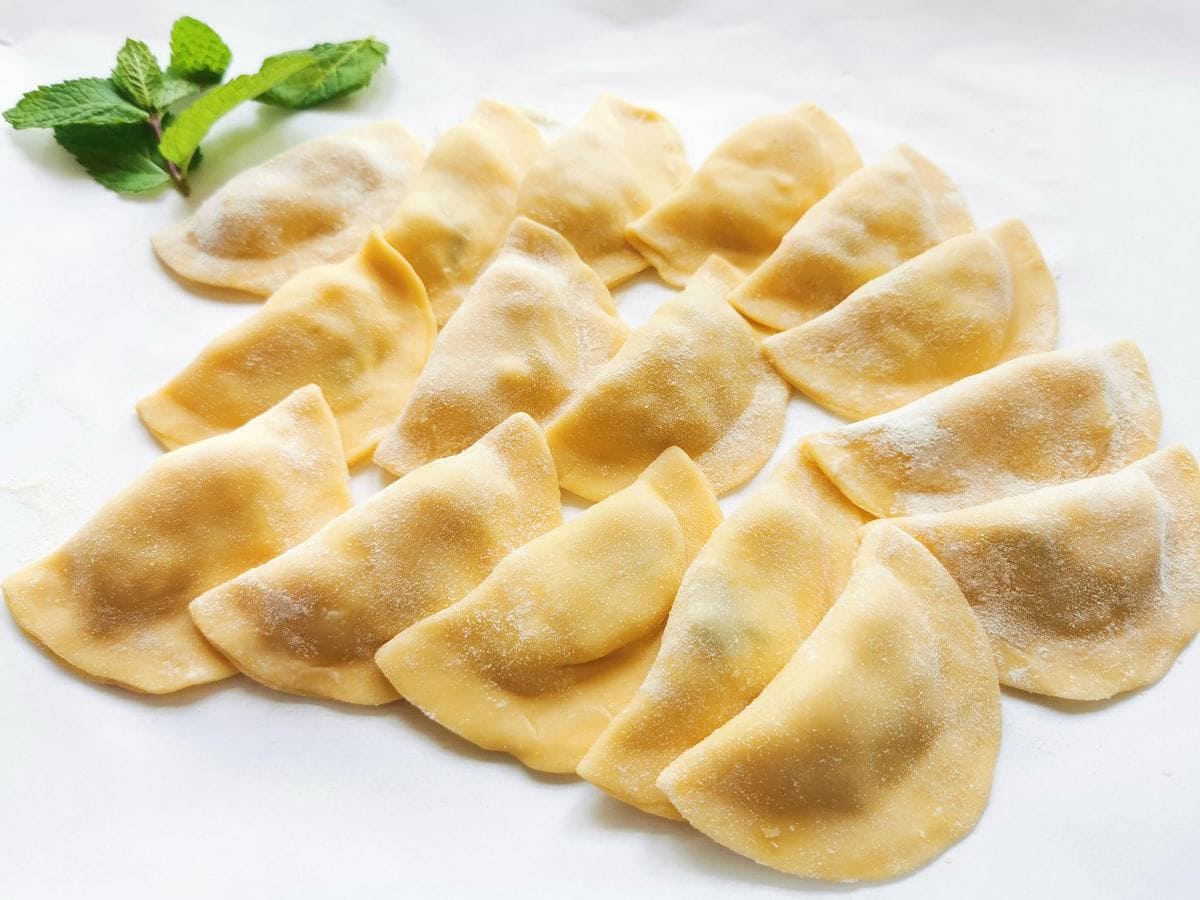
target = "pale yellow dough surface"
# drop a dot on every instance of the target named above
(695, 377)
(309, 205)
(360, 329)
(746, 194)
(599, 176)
(455, 216)
(532, 330)
(876, 218)
(967, 304)
(873, 750)
(1087, 589)
(758, 587)
(1037, 420)
(309, 621)
(538, 659)
(112, 601)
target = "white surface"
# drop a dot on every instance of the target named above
(1083, 120)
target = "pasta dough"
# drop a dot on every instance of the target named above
(1086, 589)
(873, 750)
(538, 658)
(967, 304)
(694, 377)
(112, 601)
(360, 329)
(454, 218)
(1037, 420)
(758, 587)
(601, 175)
(531, 331)
(310, 205)
(877, 218)
(747, 194)
(310, 621)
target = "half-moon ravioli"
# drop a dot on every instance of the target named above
(875, 219)
(531, 331)
(359, 329)
(1037, 420)
(455, 216)
(967, 304)
(112, 601)
(873, 749)
(694, 377)
(309, 621)
(538, 659)
(1086, 589)
(309, 205)
(747, 194)
(759, 585)
(599, 176)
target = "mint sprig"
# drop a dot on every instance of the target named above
(141, 128)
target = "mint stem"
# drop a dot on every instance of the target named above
(172, 169)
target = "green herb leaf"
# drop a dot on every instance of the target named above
(82, 101)
(197, 52)
(137, 74)
(174, 88)
(121, 157)
(183, 136)
(336, 70)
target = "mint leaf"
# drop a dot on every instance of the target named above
(184, 135)
(197, 52)
(173, 88)
(137, 74)
(82, 101)
(121, 157)
(336, 70)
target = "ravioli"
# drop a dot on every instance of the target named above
(455, 216)
(531, 331)
(747, 194)
(967, 304)
(361, 329)
(1087, 589)
(694, 377)
(878, 217)
(310, 205)
(538, 659)
(873, 750)
(1034, 421)
(599, 176)
(112, 601)
(310, 621)
(757, 588)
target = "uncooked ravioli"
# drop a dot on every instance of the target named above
(112, 601)
(455, 216)
(531, 331)
(747, 194)
(310, 205)
(694, 376)
(1086, 589)
(757, 588)
(310, 621)
(360, 329)
(538, 659)
(967, 304)
(873, 750)
(875, 219)
(1034, 421)
(599, 176)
